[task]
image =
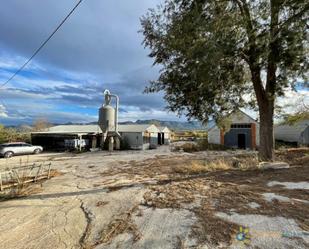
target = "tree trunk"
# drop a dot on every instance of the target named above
(266, 147)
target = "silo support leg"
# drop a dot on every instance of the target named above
(117, 143)
(111, 144)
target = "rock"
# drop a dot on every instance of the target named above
(274, 165)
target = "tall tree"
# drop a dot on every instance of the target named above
(212, 53)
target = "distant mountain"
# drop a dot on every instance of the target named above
(174, 125)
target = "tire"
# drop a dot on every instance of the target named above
(8, 154)
(37, 151)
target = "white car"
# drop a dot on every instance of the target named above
(19, 148)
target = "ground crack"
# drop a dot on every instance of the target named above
(89, 217)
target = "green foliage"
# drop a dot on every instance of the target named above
(291, 119)
(201, 145)
(11, 135)
(212, 51)
(2, 134)
(224, 123)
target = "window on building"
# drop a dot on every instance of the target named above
(240, 126)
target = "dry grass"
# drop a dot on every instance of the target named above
(25, 189)
(203, 166)
(101, 203)
(294, 156)
(200, 145)
(193, 167)
(123, 223)
(229, 184)
(20, 191)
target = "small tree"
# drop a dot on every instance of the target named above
(212, 53)
(41, 124)
(2, 134)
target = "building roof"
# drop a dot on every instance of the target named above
(291, 133)
(95, 129)
(235, 115)
(164, 129)
(138, 128)
(73, 129)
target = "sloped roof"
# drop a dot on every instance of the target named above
(74, 129)
(86, 129)
(235, 113)
(164, 129)
(291, 133)
(138, 128)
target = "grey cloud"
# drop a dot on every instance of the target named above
(101, 37)
(97, 48)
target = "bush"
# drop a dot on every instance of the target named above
(12, 135)
(204, 145)
(201, 145)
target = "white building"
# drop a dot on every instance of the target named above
(243, 133)
(138, 136)
(164, 136)
(297, 133)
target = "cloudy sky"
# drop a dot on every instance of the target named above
(98, 47)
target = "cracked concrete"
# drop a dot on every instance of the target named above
(74, 210)
(65, 213)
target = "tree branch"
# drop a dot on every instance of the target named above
(292, 18)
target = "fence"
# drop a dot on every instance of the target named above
(17, 176)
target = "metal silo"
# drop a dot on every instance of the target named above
(108, 121)
(107, 118)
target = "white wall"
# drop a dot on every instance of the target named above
(154, 138)
(291, 133)
(214, 136)
(135, 139)
(167, 137)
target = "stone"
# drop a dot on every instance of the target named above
(273, 165)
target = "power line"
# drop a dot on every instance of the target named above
(42, 45)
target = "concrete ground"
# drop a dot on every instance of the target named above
(99, 202)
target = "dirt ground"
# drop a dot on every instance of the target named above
(159, 199)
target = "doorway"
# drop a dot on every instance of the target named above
(159, 138)
(242, 141)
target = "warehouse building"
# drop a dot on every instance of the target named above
(137, 136)
(243, 132)
(297, 133)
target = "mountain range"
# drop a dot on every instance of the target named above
(174, 125)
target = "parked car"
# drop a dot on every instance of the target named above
(18, 148)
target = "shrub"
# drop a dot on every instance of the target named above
(201, 145)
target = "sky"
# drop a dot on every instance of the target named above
(98, 48)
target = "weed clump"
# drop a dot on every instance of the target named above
(200, 145)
